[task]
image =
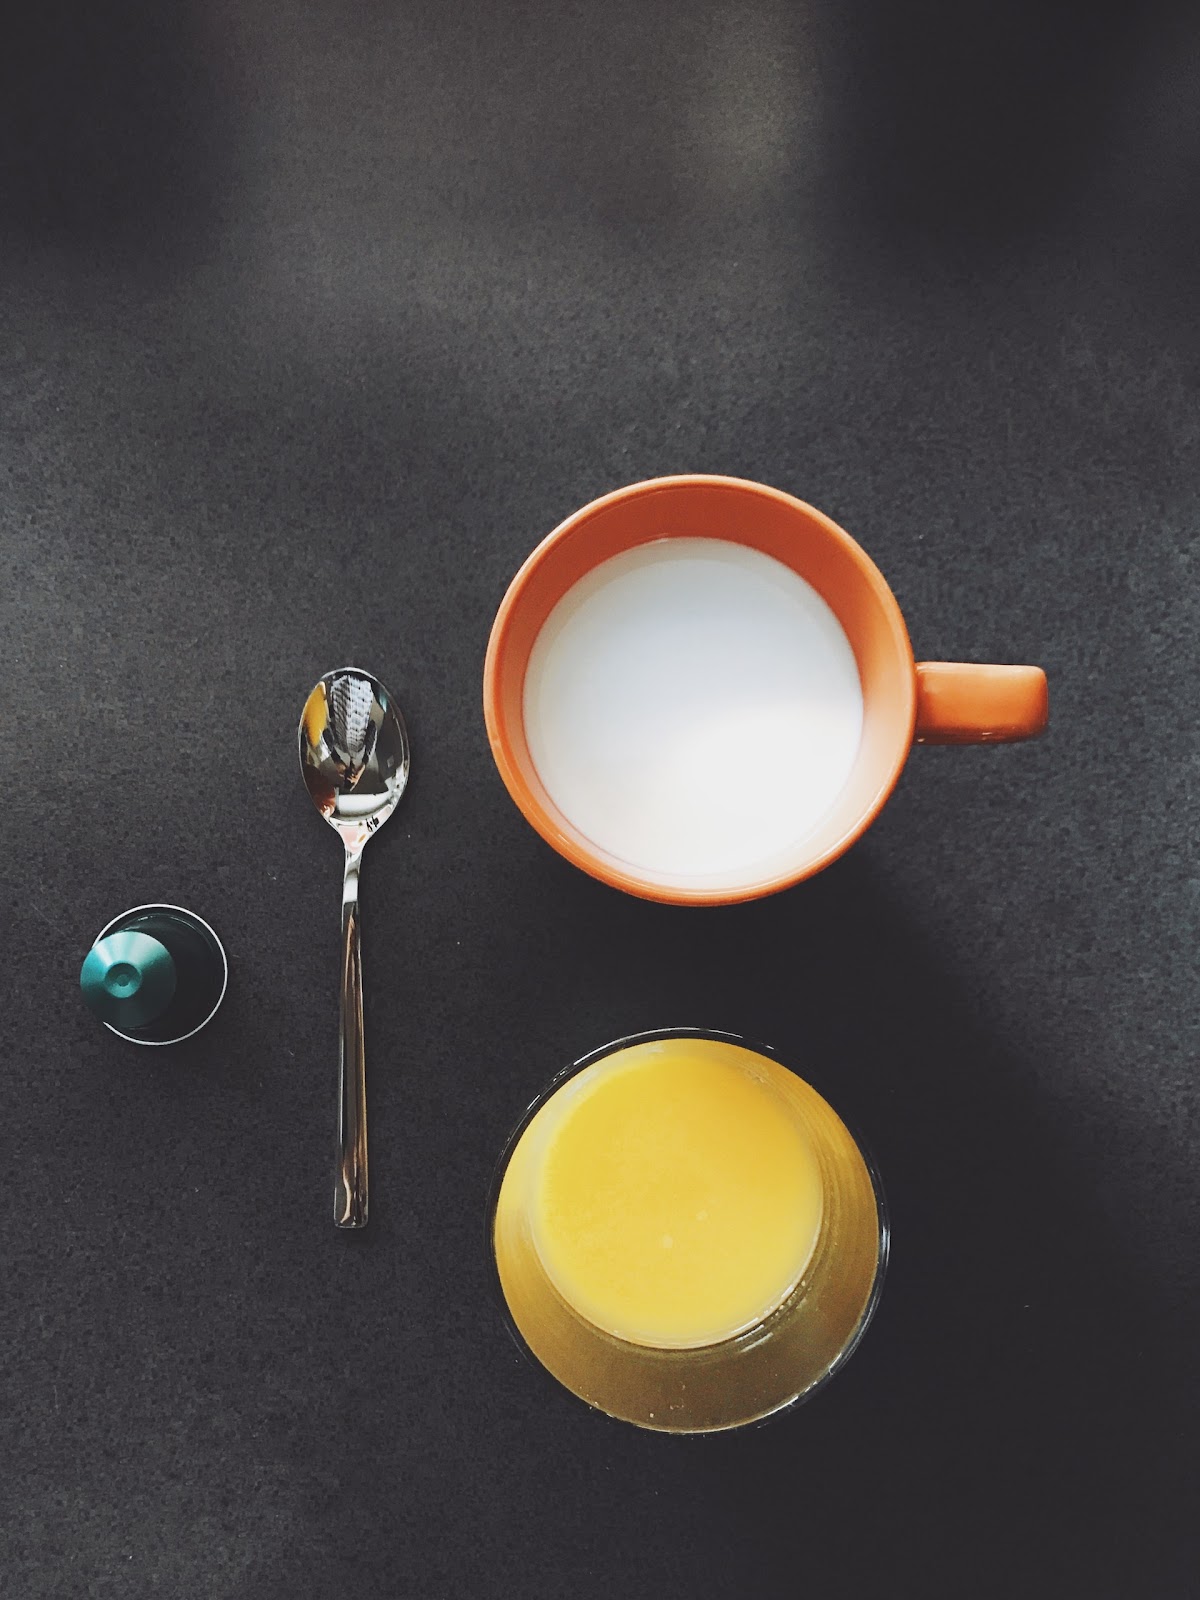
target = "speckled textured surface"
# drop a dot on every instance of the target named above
(314, 320)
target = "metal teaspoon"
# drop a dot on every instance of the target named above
(354, 757)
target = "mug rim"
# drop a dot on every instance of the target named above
(598, 863)
(650, 1036)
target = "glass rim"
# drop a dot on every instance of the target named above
(651, 1036)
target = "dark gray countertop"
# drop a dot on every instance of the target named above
(314, 321)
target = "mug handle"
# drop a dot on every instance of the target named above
(960, 702)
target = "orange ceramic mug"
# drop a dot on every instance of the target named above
(902, 701)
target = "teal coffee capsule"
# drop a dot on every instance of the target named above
(155, 975)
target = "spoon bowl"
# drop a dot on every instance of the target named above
(355, 759)
(353, 752)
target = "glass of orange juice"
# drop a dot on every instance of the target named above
(685, 1233)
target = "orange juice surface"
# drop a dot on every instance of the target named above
(674, 1197)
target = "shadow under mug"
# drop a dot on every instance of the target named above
(784, 1356)
(904, 701)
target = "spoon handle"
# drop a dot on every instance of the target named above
(350, 1181)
